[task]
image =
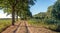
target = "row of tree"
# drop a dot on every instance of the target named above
(51, 17)
(17, 8)
(52, 12)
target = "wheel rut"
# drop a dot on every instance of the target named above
(20, 27)
(12, 28)
(24, 27)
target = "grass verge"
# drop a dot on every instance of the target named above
(4, 23)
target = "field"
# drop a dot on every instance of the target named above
(4, 23)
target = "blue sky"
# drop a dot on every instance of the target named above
(40, 6)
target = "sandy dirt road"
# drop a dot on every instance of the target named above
(24, 27)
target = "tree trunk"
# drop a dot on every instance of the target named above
(13, 15)
(17, 16)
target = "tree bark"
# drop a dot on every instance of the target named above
(13, 11)
(13, 15)
(17, 16)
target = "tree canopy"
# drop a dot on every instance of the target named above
(16, 6)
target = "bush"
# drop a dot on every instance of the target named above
(53, 24)
(50, 21)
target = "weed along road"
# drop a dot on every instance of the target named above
(24, 27)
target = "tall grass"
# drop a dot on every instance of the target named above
(36, 22)
(4, 23)
(55, 25)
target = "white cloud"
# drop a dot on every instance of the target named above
(3, 15)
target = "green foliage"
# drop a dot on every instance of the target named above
(56, 10)
(35, 22)
(17, 6)
(50, 21)
(51, 18)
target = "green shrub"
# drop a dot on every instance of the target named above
(53, 24)
(50, 21)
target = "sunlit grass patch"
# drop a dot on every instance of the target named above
(4, 24)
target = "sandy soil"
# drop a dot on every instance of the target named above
(24, 27)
